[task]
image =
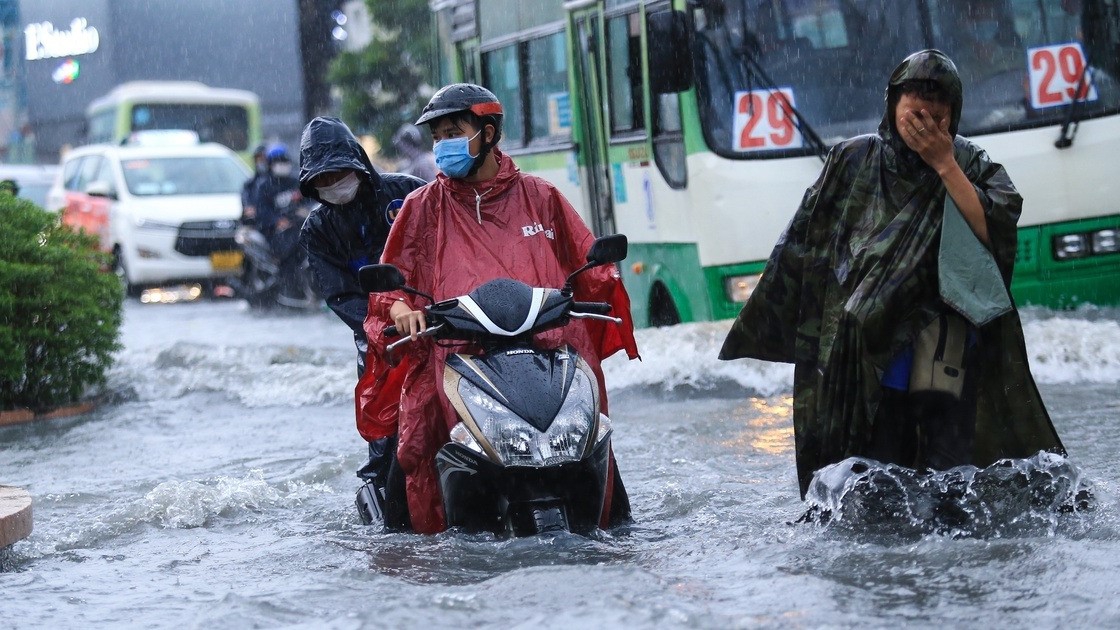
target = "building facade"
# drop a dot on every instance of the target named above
(73, 51)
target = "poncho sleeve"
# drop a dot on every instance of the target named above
(600, 284)
(1002, 203)
(768, 326)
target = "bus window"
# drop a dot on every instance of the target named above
(224, 124)
(624, 72)
(819, 22)
(758, 60)
(550, 111)
(502, 75)
(102, 125)
(1021, 60)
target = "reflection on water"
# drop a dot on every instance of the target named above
(767, 425)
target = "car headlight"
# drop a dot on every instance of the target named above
(518, 443)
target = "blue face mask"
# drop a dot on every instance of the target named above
(453, 156)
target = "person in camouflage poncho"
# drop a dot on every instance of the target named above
(854, 279)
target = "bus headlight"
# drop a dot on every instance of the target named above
(1069, 246)
(739, 288)
(1080, 245)
(1106, 241)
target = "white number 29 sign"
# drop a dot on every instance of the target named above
(764, 120)
(1055, 75)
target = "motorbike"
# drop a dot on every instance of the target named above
(270, 278)
(530, 452)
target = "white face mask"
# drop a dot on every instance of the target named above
(282, 169)
(342, 191)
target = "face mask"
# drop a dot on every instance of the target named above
(282, 169)
(342, 191)
(453, 156)
(985, 30)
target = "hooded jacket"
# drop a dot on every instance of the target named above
(854, 278)
(340, 239)
(450, 237)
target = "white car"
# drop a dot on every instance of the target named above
(167, 213)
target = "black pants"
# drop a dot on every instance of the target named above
(384, 471)
(932, 430)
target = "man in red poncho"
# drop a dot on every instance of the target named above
(479, 220)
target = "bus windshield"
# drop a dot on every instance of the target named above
(1021, 63)
(225, 124)
(183, 176)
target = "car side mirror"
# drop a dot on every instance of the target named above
(607, 249)
(380, 278)
(101, 188)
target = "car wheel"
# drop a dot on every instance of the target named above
(130, 289)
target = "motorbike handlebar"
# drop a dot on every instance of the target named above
(595, 308)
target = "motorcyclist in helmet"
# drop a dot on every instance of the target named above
(417, 156)
(249, 188)
(344, 232)
(278, 201)
(481, 219)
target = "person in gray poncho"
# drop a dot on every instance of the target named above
(889, 294)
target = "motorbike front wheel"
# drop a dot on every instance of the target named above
(255, 287)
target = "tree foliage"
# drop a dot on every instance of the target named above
(60, 313)
(387, 83)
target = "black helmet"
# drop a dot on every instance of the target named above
(467, 97)
(459, 97)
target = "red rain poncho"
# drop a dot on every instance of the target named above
(450, 237)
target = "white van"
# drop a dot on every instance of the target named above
(166, 212)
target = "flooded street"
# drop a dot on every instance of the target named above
(215, 489)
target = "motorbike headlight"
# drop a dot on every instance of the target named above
(604, 428)
(518, 443)
(461, 435)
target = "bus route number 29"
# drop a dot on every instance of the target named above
(764, 120)
(1056, 75)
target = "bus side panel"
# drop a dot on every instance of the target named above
(1042, 280)
(674, 266)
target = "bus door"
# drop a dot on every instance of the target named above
(591, 100)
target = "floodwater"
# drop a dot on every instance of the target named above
(215, 490)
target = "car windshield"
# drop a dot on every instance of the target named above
(1020, 63)
(209, 175)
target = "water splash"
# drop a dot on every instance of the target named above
(1010, 498)
(1075, 347)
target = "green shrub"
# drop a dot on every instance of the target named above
(60, 312)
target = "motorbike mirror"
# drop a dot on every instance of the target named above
(380, 278)
(607, 249)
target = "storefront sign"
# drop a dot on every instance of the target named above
(44, 41)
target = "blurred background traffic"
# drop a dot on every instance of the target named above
(121, 75)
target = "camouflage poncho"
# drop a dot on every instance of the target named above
(854, 278)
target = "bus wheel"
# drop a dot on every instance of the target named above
(662, 311)
(130, 290)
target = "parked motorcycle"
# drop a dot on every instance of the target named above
(530, 452)
(276, 273)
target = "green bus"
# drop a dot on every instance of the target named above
(227, 116)
(695, 126)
